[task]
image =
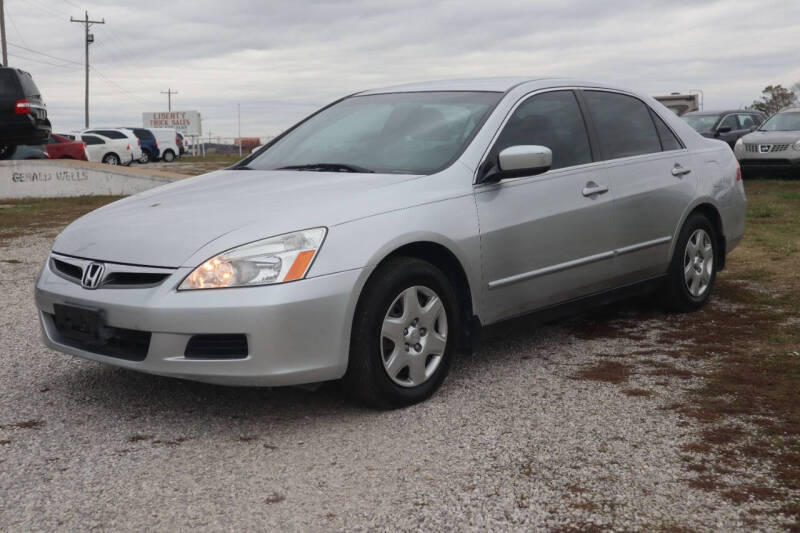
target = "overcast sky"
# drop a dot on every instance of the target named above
(283, 59)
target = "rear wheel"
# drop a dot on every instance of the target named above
(111, 159)
(404, 335)
(169, 156)
(693, 269)
(145, 157)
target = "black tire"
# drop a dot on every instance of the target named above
(676, 292)
(145, 157)
(7, 151)
(169, 156)
(111, 159)
(366, 379)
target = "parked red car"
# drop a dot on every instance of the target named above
(60, 147)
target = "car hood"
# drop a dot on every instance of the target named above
(780, 137)
(165, 226)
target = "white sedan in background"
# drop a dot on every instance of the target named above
(119, 134)
(107, 150)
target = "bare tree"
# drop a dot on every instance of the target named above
(774, 98)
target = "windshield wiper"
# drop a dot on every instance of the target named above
(328, 167)
(241, 167)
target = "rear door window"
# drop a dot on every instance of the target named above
(623, 124)
(668, 139)
(91, 139)
(551, 119)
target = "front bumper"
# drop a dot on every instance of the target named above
(780, 159)
(297, 332)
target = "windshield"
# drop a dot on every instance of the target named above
(782, 122)
(404, 133)
(701, 123)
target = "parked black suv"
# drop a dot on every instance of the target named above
(23, 115)
(727, 126)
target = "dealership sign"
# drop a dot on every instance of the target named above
(186, 122)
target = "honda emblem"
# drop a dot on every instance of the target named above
(92, 275)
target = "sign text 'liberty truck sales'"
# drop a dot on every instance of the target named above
(186, 122)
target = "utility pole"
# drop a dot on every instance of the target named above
(3, 32)
(169, 92)
(89, 38)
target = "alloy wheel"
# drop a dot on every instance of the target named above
(413, 336)
(698, 263)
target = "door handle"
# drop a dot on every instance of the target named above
(678, 171)
(592, 188)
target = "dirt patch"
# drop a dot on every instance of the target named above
(27, 424)
(605, 371)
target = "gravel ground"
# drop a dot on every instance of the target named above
(512, 442)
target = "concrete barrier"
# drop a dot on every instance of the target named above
(64, 177)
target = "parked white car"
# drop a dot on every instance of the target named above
(167, 139)
(107, 150)
(120, 134)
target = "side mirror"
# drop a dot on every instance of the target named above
(724, 129)
(519, 161)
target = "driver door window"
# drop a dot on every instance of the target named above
(553, 120)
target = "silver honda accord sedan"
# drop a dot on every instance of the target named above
(370, 242)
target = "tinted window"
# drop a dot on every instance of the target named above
(28, 87)
(111, 134)
(553, 120)
(143, 134)
(729, 122)
(668, 139)
(91, 139)
(8, 83)
(623, 125)
(758, 119)
(414, 133)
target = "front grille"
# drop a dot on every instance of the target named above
(133, 278)
(69, 270)
(768, 148)
(225, 346)
(127, 344)
(116, 275)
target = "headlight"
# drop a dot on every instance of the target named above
(796, 146)
(739, 141)
(274, 260)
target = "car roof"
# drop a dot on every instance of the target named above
(500, 84)
(790, 110)
(724, 112)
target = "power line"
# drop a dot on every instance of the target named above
(44, 54)
(13, 23)
(36, 60)
(115, 84)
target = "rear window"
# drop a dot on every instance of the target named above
(623, 124)
(28, 87)
(8, 83)
(145, 135)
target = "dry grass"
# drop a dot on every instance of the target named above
(25, 216)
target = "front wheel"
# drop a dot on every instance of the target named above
(404, 334)
(693, 269)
